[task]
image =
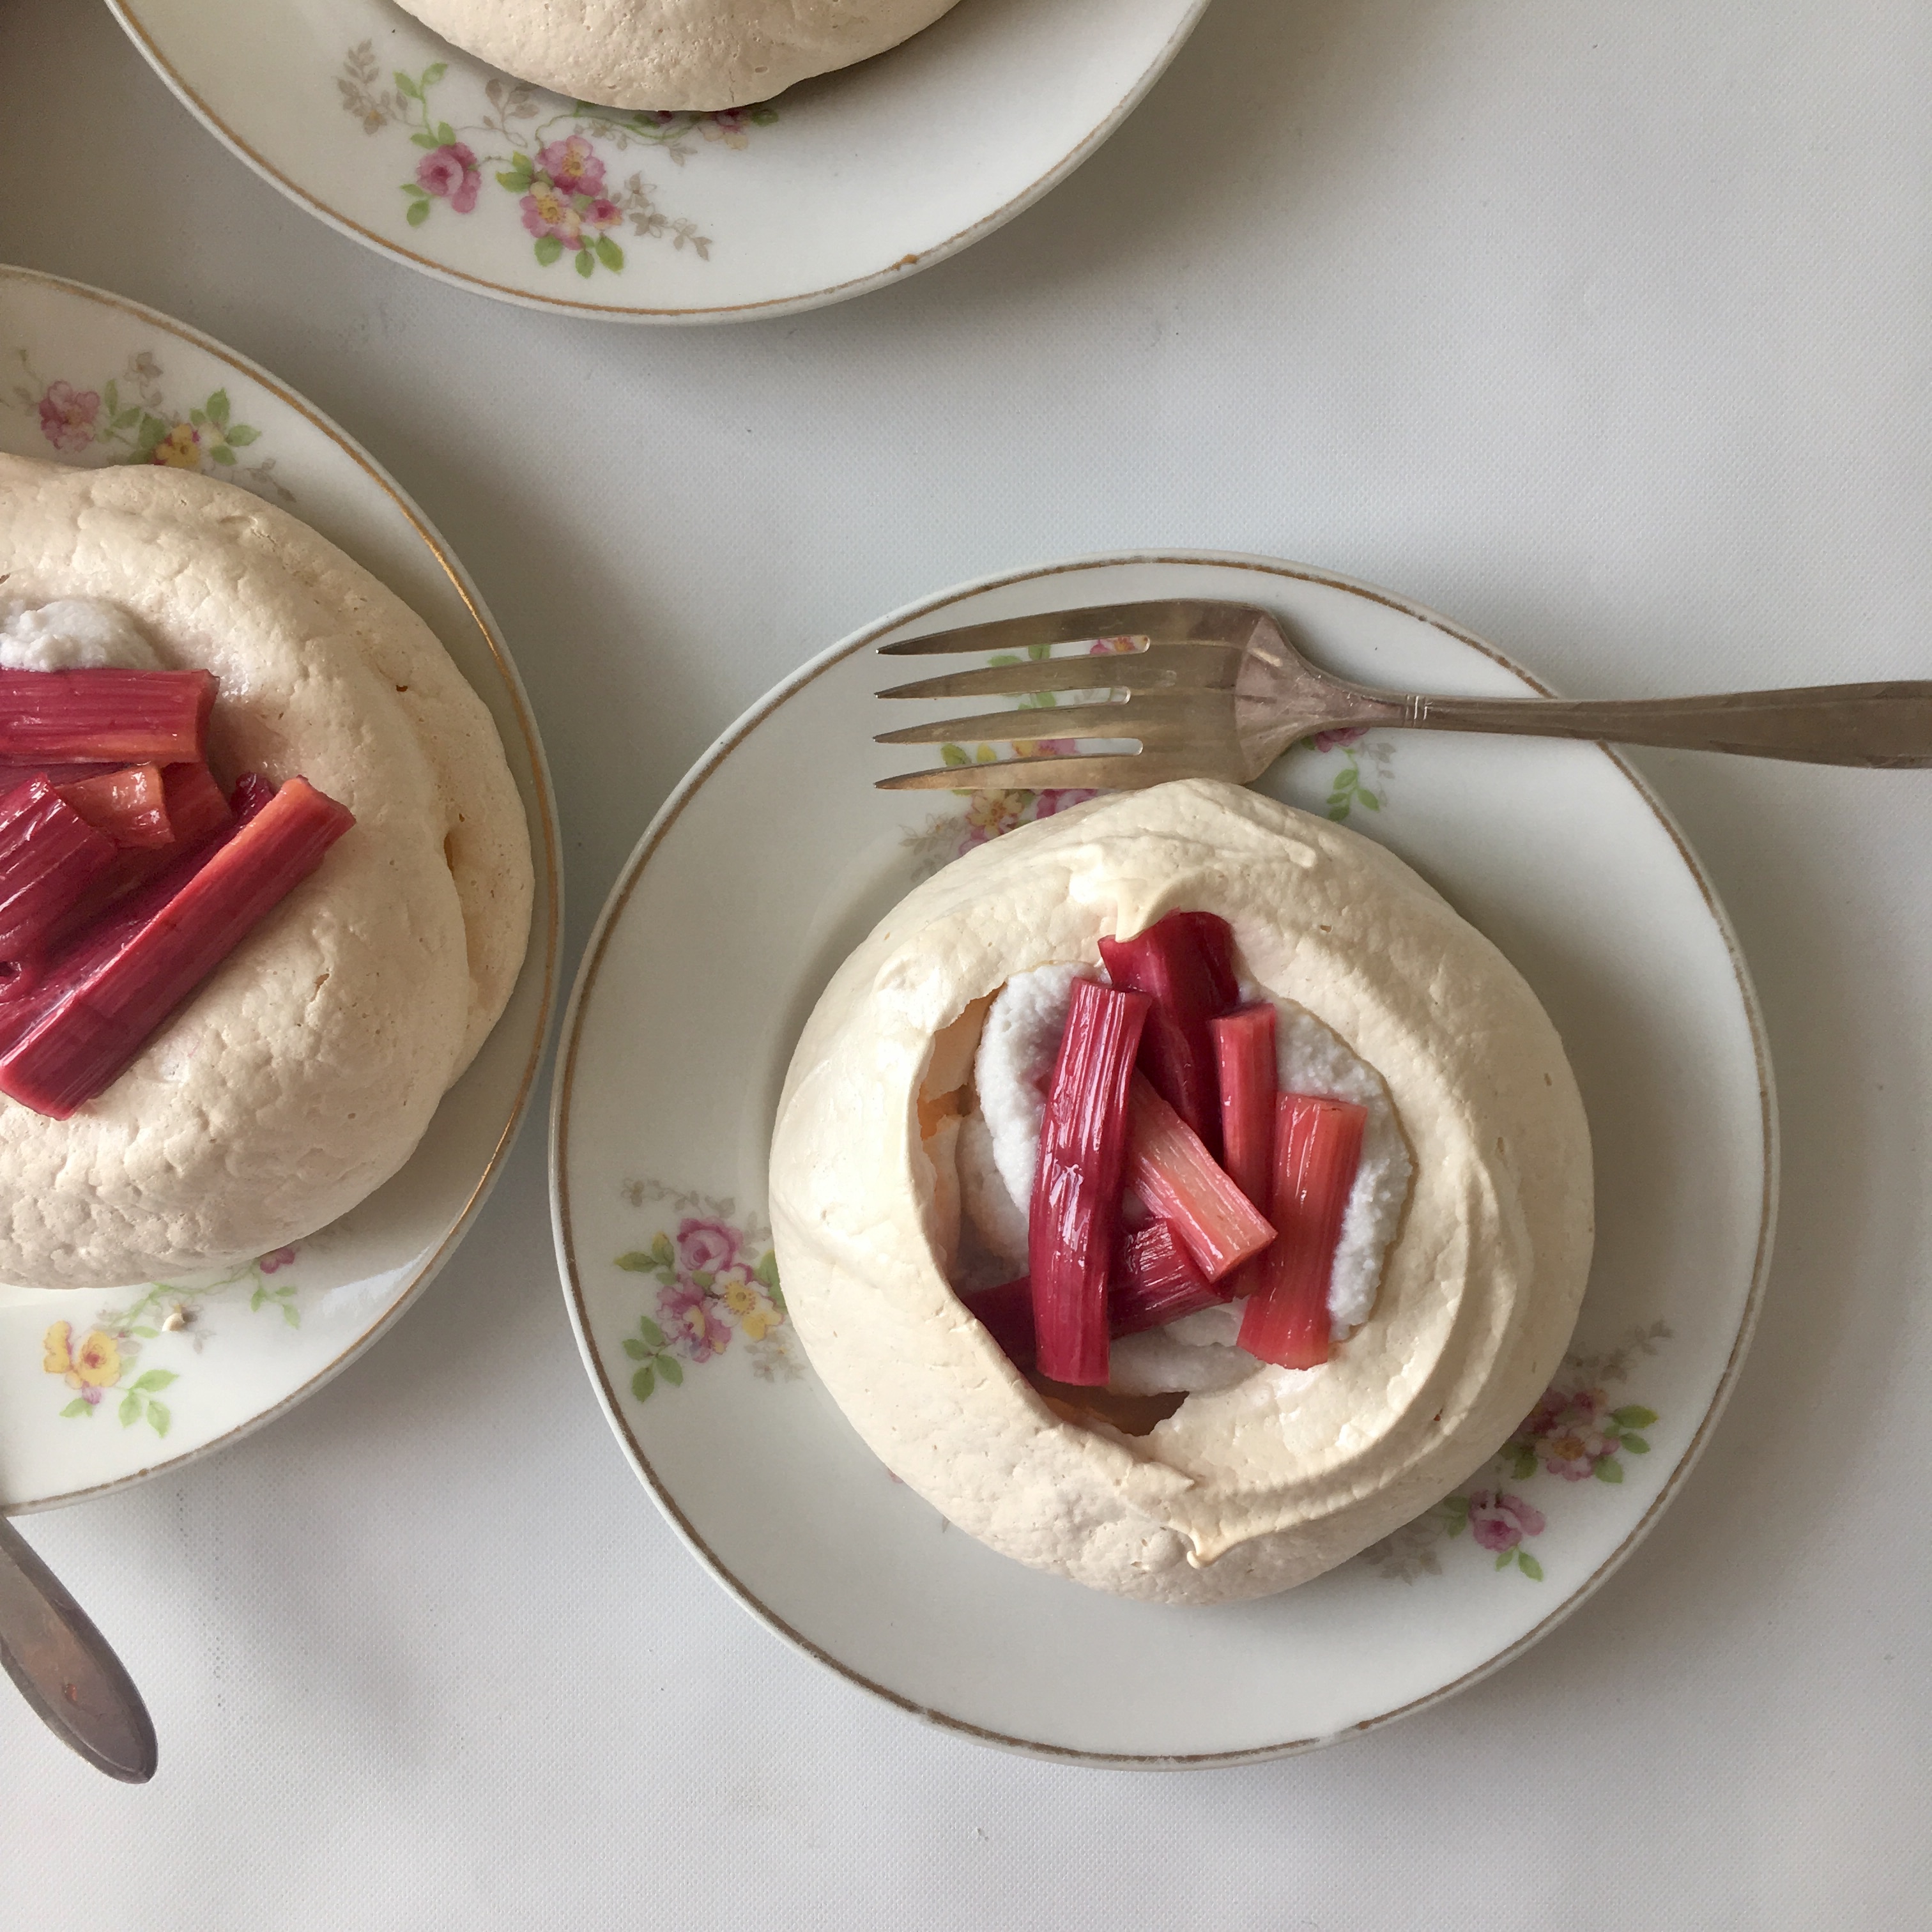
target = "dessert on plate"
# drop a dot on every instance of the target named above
(697, 56)
(264, 878)
(1180, 1195)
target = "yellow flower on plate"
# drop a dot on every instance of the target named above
(756, 1316)
(55, 1341)
(97, 1360)
(179, 449)
(996, 811)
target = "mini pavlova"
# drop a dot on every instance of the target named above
(1179, 1195)
(264, 878)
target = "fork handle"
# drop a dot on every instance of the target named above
(1876, 724)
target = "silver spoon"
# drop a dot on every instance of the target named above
(65, 1669)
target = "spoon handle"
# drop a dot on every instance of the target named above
(1878, 725)
(65, 1669)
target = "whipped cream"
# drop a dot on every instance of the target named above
(72, 633)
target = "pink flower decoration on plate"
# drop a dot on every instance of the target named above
(1327, 741)
(706, 1247)
(272, 1264)
(1048, 803)
(1500, 1522)
(451, 173)
(691, 1324)
(572, 165)
(67, 416)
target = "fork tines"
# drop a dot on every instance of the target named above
(1166, 695)
(1161, 621)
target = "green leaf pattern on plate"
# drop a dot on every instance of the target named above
(544, 151)
(106, 1357)
(716, 1279)
(129, 419)
(1574, 1434)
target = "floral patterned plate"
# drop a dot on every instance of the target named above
(98, 1390)
(361, 114)
(774, 858)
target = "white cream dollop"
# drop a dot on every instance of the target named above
(72, 633)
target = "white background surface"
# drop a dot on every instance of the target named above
(1602, 328)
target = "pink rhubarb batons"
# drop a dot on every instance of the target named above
(105, 717)
(129, 803)
(49, 857)
(1155, 1282)
(1181, 1182)
(1318, 1147)
(1076, 1189)
(1244, 1057)
(104, 998)
(1184, 963)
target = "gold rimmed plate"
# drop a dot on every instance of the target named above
(361, 115)
(775, 857)
(97, 1389)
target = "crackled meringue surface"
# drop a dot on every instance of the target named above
(303, 1072)
(1255, 1487)
(695, 55)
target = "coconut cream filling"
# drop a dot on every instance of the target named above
(983, 1165)
(72, 633)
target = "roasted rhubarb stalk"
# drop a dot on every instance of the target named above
(196, 811)
(129, 804)
(1005, 1312)
(1184, 964)
(1216, 938)
(1176, 1177)
(50, 856)
(1076, 1188)
(1155, 1281)
(1244, 1065)
(105, 717)
(106, 995)
(1318, 1147)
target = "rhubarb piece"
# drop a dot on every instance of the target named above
(1318, 1147)
(1170, 1169)
(1155, 1281)
(13, 773)
(1244, 1063)
(130, 804)
(1216, 938)
(196, 811)
(105, 717)
(1184, 964)
(49, 856)
(1005, 1312)
(1076, 1188)
(101, 1002)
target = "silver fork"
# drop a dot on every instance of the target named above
(1214, 690)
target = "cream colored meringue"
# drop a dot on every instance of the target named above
(1254, 1488)
(696, 55)
(302, 1074)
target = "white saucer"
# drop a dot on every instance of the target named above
(362, 115)
(775, 857)
(124, 1392)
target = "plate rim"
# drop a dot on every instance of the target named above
(1081, 151)
(546, 828)
(563, 1078)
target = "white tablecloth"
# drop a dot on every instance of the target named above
(1603, 329)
